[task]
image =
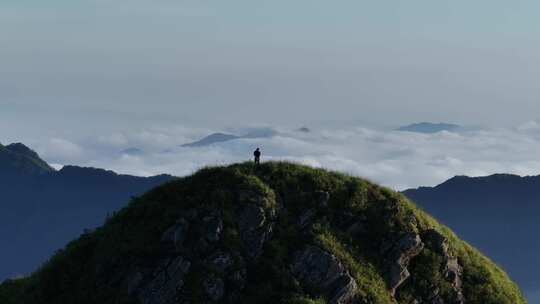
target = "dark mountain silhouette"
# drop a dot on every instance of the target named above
(283, 233)
(427, 127)
(211, 139)
(41, 208)
(499, 214)
(216, 138)
(19, 160)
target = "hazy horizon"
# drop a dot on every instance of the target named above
(76, 73)
(78, 65)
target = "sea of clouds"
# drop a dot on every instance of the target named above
(393, 158)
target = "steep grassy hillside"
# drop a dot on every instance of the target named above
(283, 233)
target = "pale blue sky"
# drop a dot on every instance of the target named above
(228, 62)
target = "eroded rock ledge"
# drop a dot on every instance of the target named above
(317, 269)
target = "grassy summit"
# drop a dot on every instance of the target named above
(284, 233)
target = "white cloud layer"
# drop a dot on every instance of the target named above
(396, 159)
(61, 150)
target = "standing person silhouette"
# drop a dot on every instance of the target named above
(257, 155)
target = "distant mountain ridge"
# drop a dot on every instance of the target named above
(428, 127)
(42, 208)
(18, 159)
(499, 214)
(212, 139)
(219, 137)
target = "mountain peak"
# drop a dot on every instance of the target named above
(220, 137)
(498, 178)
(280, 233)
(18, 158)
(212, 139)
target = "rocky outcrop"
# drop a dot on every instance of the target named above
(162, 284)
(214, 287)
(319, 200)
(357, 228)
(213, 226)
(322, 198)
(451, 268)
(398, 255)
(238, 235)
(176, 234)
(255, 224)
(306, 218)
(317, 269)
(162, 281)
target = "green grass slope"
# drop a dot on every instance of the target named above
(352, 226)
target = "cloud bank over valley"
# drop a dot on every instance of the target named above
(396, 159)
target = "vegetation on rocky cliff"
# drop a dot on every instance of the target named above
(281, 233)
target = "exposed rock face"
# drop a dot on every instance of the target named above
(317, 269)
(255, 228)
(452, 269)
(176, 234)
(399, 256)
(226, 272)
(162, 284)
(266, 235)
(307, 218)
(357, 228)
(319, 199)
(323, 198)
(214, 227)
(221, 261)
(214, 288)
(437, 300)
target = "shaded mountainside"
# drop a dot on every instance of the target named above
(284, 233)
(499, 214)
(17, 159)
(41, 209)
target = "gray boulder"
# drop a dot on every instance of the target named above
(255, 226)
(322, 198)
(220, 261)
(317, 269)
(176, 234)
(214, 227)
(214, 288)
(307, 218)
(162, 284)
(452, 270)
(399, 256)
